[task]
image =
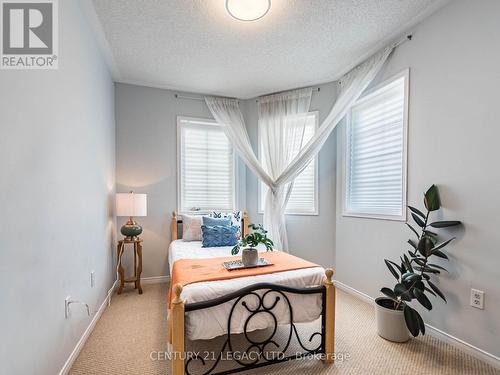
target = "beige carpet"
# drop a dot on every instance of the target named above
(135, 325)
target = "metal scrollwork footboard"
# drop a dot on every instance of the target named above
(264, 300)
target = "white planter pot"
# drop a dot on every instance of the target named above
(391, 323)
(249, 257)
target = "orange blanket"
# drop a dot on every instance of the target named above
(190, 271)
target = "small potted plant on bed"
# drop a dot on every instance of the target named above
(250, 255)
(395, 317)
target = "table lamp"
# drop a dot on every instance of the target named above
(131, 204)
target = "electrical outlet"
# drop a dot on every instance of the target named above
(66, 307)
(92, 279)
(477, 299)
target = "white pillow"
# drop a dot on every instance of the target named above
(191, 227)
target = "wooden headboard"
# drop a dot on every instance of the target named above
(175, 221)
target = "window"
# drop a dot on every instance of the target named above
(304, 196)
(206, 167)
(375, 158)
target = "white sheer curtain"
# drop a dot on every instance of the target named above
(227, 113)
(282, 120)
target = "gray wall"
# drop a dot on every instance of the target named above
(146, 161)
(57, 164)
(303, 228)
(454, 72)
(453, 142)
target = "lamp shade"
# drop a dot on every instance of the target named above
(131, 204)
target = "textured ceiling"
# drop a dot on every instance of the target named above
(194, 45)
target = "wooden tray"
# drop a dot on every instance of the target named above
(238, 264)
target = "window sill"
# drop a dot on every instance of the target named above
(401, 218)
(204, 212)
(316, 213)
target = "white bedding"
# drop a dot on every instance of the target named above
(212, 322)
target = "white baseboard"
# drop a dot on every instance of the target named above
(107, 301)
(481, 354)
(79, 345)
(155, 280)
(354, 292)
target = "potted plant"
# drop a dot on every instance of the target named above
(395, 316)
(250, 255)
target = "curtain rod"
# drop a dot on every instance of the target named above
(407, 38)
(188, 97)
(404, 39)
(317, 89)
(177, 96)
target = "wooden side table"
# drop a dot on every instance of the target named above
(137, 263)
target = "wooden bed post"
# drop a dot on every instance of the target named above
(177, 326)
(330, 316)
(173, 226)
(244, 224)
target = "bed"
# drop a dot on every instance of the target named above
(222, 308)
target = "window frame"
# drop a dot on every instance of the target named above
(260, 202)
(370, 93)
(180, 209)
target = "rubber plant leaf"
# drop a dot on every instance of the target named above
(436, 289)
(389, 293)
(417, 211)
(431, 199)
(411, 320)
(445, 224)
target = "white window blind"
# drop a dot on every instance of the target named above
(303, 198)
(375, 179)
(206, 167)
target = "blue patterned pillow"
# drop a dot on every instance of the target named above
(235, 216)
(212, 221)
(217, 236)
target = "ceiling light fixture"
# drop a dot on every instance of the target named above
(248, 10)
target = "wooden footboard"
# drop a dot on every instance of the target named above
(324, 349)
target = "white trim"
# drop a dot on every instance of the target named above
(155, 280)
(481, 354)
(354, 292)
(80, 344)
(107, 301)
(236, 186)
(345, 149)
